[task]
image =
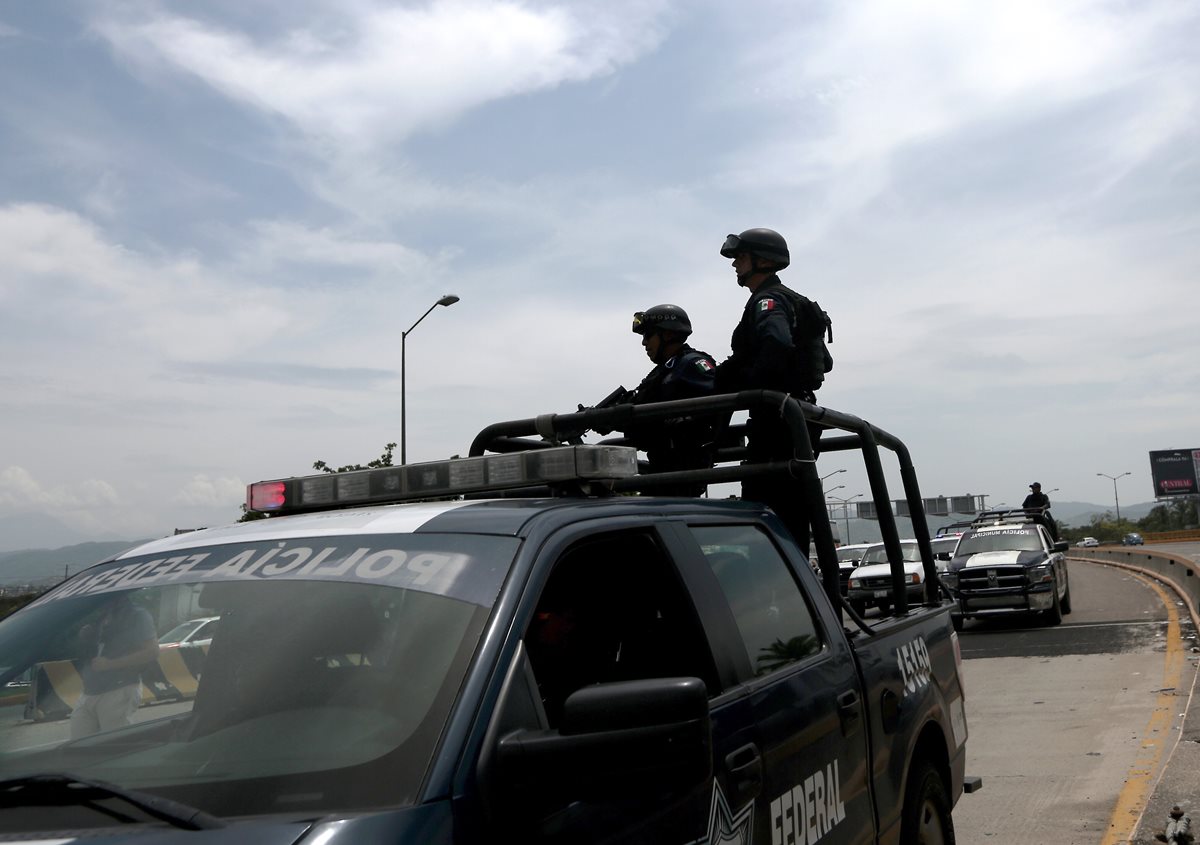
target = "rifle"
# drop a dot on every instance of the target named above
(617, 396)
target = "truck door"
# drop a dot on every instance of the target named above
(796, 700)
(613, 608)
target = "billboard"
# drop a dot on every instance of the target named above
(1175, 472)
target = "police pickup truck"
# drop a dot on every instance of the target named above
(1005, 563)
(507, 647)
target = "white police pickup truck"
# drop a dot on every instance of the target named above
(498, 648)
(1006, 563)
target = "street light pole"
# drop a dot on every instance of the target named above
(845, 508)
(823, 477)
(447, 300)
(1116, 500)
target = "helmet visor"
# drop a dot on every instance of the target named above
(732, 246)
(639, 322)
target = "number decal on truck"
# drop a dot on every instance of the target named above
(915, 668)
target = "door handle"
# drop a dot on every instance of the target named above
(745, 771)
(848, 711)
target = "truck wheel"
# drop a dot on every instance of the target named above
(957, 622)
(1066, 599)
(1054, 614)
(858, 606)
(925, 819)
(884, 606)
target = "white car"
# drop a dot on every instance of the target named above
(194, 632)
(1088, 542)
(943, 549)
(871, 582)
(848, 558)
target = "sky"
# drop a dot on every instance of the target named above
(218, 220)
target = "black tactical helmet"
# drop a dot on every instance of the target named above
(669, 318)
(765, 243)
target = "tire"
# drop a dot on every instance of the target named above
(884, 606)
(858, 606)
(1055, 614)
(1066, 599)
(925, 819)
(957, 622)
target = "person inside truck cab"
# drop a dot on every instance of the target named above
(119, 646)
(779, 344)
(680, 372)
(613, 610)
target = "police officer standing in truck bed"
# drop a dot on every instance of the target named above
(680, 372)
(779, 344)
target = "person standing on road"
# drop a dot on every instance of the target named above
(120, 648)
(1038, 499)
(680, 372)
(779, 344)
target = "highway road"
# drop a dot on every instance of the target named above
(1071, 726)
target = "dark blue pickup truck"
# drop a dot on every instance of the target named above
(493, 648)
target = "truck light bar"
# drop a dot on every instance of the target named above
(440, 479)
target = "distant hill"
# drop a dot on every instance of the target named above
(47, 566)
(34, 530)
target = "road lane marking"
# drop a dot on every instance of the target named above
(1131, 801)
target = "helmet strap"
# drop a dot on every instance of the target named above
(744, 279)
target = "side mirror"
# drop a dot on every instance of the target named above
(626, 737)
(1061, 546)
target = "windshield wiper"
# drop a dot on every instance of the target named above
(65, 790)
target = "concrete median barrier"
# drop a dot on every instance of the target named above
(1177, 570)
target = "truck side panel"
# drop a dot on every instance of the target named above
(915, 706)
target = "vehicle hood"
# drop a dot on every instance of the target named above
(1006, 558)
(243, 833)
(425, 823)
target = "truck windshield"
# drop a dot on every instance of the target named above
(1004, 540)
(878, 554)
(325, 685)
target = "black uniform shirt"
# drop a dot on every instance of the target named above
(763, 352)
(689, 373)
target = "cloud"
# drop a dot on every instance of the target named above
(848, 95)
(387, 71)
(18, 488)
(203, 491)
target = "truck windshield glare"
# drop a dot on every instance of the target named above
(307, 690)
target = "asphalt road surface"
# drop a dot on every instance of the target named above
(1070, 726)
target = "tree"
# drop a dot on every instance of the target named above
(384, 460)
(1172, 516)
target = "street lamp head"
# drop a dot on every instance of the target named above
(839, 487)
(448, 299)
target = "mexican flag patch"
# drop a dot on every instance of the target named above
(704, 365)
(766, 304)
